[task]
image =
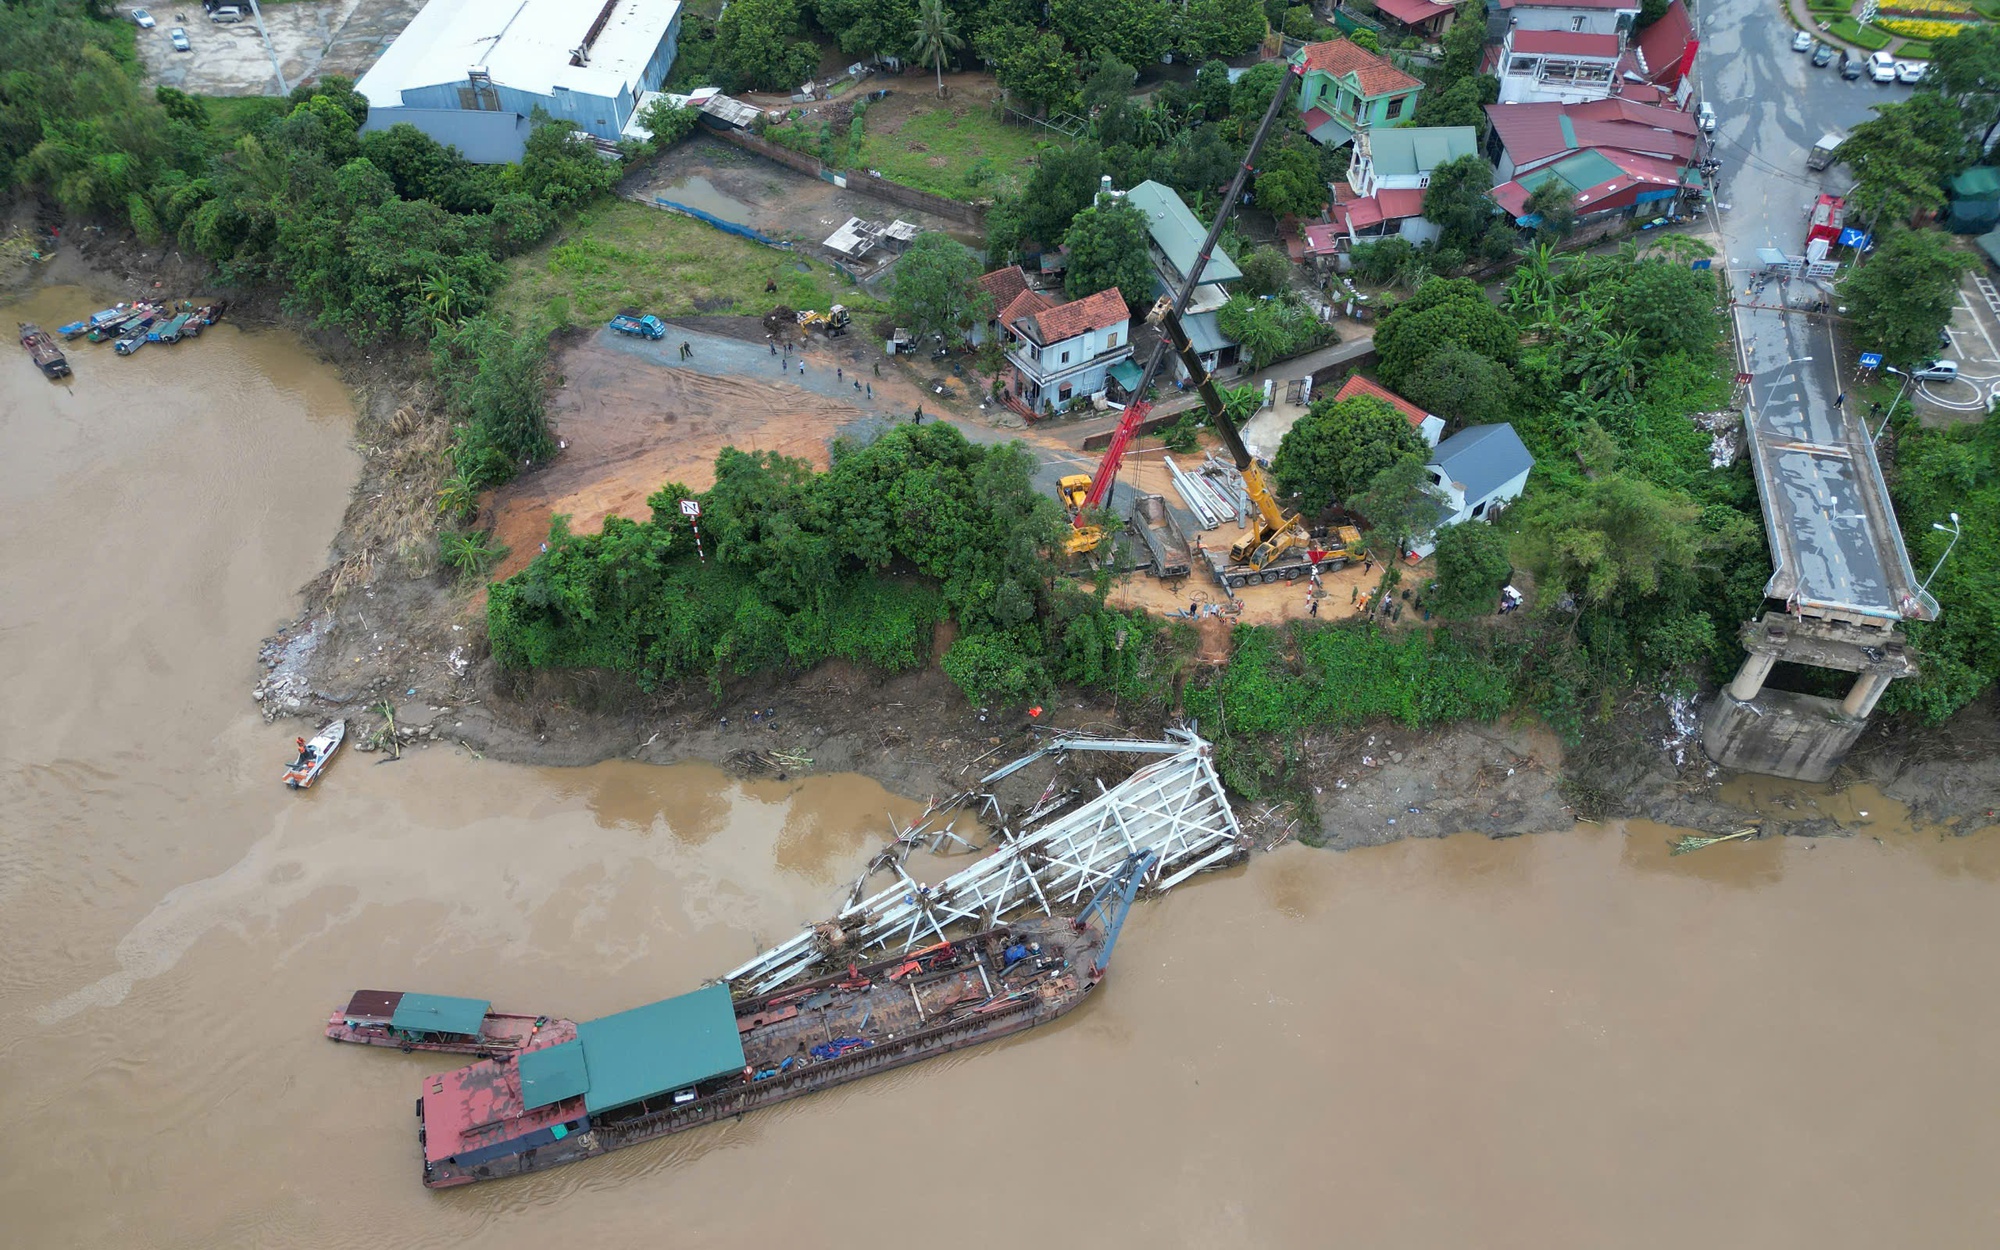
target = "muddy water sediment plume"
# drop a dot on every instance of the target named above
(1567, 1040)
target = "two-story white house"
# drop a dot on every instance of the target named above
(1476, 472)
(1056, 352)
(1387, 176)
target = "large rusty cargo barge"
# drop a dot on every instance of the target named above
(702, 1057)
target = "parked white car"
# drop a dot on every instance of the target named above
(1881, 67)
(1704, 117)
(143, 18)
(1802, 42)
(1911, 71)
(179, 38)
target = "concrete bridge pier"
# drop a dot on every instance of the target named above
(1783, 734)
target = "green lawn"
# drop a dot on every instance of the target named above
(1850, 31)
(234, 115)
(1836, 8)
(619, 254)
(1914, 51)
(956, 150)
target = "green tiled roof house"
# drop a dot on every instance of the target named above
(1348, 88)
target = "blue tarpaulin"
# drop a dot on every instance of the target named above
(741, 231)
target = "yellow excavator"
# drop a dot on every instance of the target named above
(1260, 555)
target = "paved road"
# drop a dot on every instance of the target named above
(1833, 534)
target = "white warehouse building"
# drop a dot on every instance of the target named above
(470, 73)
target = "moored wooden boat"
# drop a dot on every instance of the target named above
(43, 350)
(408, 1021)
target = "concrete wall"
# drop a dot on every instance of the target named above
(881, 188)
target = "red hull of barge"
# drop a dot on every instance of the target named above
(473, 1124)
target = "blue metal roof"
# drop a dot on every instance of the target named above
(434, 1013)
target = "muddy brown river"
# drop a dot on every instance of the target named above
(1570, 1040)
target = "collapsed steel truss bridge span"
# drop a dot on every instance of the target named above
(1174, 808)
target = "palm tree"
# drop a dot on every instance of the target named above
(936, 36)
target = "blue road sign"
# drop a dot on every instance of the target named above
(1871, 360)
(1700, 264)
(1851, 237)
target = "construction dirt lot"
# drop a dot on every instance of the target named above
(633, 416)
(306, 39)
(735, 185)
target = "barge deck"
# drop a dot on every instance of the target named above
(692, 1060)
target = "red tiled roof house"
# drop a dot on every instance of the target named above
(1057, 351)
(1348, 88)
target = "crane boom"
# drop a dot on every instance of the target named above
(1099, 491)
(1109, 905)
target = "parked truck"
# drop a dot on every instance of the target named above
(1825, 152)
(646, 327)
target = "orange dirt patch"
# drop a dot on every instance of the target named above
(631, 425)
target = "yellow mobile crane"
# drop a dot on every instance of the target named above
(1278, 545)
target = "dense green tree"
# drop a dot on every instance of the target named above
(1458, 203)
(562, 170)
(1199, 162)
(1339, 446)
(1668, 306)
(1461, 386)
(1399, 504)
(1032, 65)
(1900, 158)
(935, 37)
(1444, 311)
(1250, 96)
(494, 383)
(668, 123)
(1266, 271)
(1134, 31)
(1212, 90)
(1611, 540)
(1270, 330)
(1464, 44)
(936, 288)
(1965, 72)
(868, 27)
(1064, 184)
(1219, 28)
(757, 45)
(1939, 472)
(1463, 103)
(1289, 182)
(1555, 203)
(1108, 248)
(1472, 564)
(1109, 85)
(1904, 294)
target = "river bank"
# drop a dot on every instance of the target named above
(383, 625)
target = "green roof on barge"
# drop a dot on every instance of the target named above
(435, 1013)
(637, 1054)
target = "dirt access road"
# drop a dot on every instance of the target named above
(307, 39)
(633, 416)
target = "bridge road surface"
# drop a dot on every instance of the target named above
(1833, 531)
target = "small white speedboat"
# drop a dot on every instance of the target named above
(319, 751)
